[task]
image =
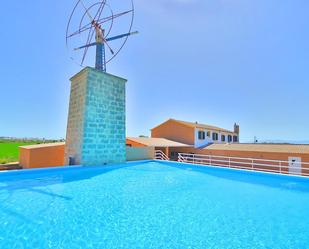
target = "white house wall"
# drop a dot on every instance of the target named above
(200, 143)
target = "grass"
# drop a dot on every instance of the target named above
(9, 151)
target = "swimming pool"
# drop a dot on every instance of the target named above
(152, 205)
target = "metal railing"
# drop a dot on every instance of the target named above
(160, 155)
(266, 165)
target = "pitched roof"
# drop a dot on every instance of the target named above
(278, 148)
(156, 142)
(38, 146)
(197, 125)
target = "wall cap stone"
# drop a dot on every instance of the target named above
(90, 69)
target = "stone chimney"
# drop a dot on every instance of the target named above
(236, 128)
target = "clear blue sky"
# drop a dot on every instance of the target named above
(212, 61)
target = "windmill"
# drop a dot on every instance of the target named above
(96, 29)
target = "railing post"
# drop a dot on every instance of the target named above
(193, 158)
(280, 167)
(229, 162)
(252, 164)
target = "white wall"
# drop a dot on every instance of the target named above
(199, 143)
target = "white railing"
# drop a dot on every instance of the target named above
(275, 166)
(160, 155)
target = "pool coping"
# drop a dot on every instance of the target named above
(115, 165)
(66, 168)
(246, 171)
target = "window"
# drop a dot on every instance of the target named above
(201, 135)
(235, 139)
(208, 133)
(229, 138)
(174, 154)
(215, 136)
(223, 138)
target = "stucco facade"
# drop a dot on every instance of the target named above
(41, 155)
(175, 132)
(195, 134)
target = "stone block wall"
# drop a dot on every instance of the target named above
(75, 126)
(96, 123)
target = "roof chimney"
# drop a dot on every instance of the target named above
(236, 128)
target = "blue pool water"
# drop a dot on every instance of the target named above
(152, 205)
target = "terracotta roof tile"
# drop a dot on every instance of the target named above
(203, 126)
(38, 146)
(278, 148)
(156, 142)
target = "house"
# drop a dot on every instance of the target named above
(200, 142)
(161, 144)
(195, 134)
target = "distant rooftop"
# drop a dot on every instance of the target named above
(198, 125)
(156, 142)
(37, 146)
(278, 148)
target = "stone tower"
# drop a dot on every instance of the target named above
(96, 122)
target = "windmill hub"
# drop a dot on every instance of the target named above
(99, 35)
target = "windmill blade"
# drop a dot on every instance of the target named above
(100, 21)
(91, 24)
(110, 49)
(121, 36)
(90, 36)
(96, 19)
(100, 10)
(106, 19)
(86, 46)
(87, 11)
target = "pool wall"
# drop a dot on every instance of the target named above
(235, 170)
(52, 155)
(68, 168)
(185, 166)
